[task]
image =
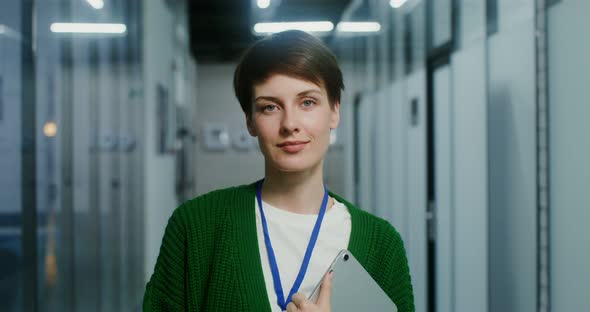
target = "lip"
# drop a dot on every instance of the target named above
(292, 146)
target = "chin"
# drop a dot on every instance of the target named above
(294, 165)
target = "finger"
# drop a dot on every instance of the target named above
(300, 301)
(291, 307)
(326, 291)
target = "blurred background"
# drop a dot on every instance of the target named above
(464, 124)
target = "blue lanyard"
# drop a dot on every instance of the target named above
(271, 254)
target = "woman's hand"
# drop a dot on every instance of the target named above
(300, 303)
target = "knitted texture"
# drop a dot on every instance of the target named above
(209, 258)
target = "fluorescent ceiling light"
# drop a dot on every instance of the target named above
(50, 129)
(358, 27)
(9, 32)
(88, 28)
(263, 4)
(304, 26)
(396, 4)
(97, 4)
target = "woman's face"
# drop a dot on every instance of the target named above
(292, 119)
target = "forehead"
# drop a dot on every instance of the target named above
(279, 84)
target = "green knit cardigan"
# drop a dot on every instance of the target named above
(209, 258)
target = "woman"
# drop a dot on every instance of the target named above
(264, 246)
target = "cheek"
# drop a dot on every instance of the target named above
(319, 125)
(265, 129)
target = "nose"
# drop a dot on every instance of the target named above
(289, 122)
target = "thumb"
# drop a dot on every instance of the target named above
(326, 291)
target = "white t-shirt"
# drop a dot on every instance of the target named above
(289, 234)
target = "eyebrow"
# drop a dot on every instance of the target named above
(277, 100)
(306, 92)
(268, 98)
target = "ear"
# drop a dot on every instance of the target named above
(335, 115)
(250, 125)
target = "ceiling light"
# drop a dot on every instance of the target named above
(304, 26)
(358, 27)
(396, 4)
(263, 4)
(9, 33)
(97, 4)
(89, 28)
(50, 129)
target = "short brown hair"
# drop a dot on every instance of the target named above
(293, 53)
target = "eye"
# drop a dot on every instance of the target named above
(308, 103)
(269, 108)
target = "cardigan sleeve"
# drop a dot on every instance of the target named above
(165, 290)
(396, 271)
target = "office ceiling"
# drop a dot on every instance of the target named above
(221, 29)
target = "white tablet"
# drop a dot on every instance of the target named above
(353, 288)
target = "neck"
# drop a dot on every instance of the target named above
(297, 192)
